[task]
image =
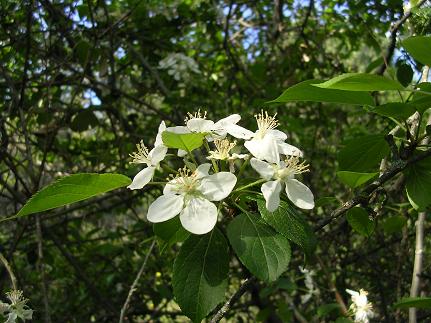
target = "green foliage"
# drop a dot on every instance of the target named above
(170, 232)
(418, 184)
(394, 224)
(360, 222)
(325, 310)
(404, 74)
(262, 250)
(355, 179)
(397, 110)
(71, 189)
(185, 141)
(200, 274)
(419, 48)
(416, 302)
(360, 82)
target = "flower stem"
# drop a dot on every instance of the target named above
(9, 270)
(207, 147)
(260, 181)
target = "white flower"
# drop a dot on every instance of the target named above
(222, 152)
(190, 195)
(151, 158)
(267, 143)
(361, 308)
(309, 284)
(17, 308)
(283, 173)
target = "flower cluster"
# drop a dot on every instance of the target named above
(16, 307)
(361, 309)
(192, 190)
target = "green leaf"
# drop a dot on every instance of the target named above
(83, 120)
(359, 221)
(422, 101)
(326, 200)
(200, 274)
(417, 302)
(354, 179)
(71, 189)
(305, 91)
(374, 64)
(325, 310)
(363, 154)
(289, 222)
(397, 110)
(263, 251)
(184, 141)
(394, 224)
(404, 74)
(419, 48)
(360, 82)
(418, 184)
(170, 232)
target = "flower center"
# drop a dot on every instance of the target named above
(196, 115)
(186, 182)
(293, 167)
(140, 157)
(223, 147)
(265, 122)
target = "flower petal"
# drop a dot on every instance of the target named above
(271, 193)
(200, 125)
(199, 216)
(142, 178)
(289, 150)
(299, 194)
(159, 141)
(181, 153)
(178, 129)
(157, 154)
(219, 127)
(277, 134)
(264, 149)
(265, 170)
(218, 186)
(165, 208)
(239, 132)
(202, 170)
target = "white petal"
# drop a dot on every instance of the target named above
(239, 156)
(265, 170)
(202, 170)
(159, 141)
(289, 150)
(165, 208)
(181, 153)
(171, 186)
(142, 178)
(299, 194)
(199, 216)
(200, 125)
(218, 186)
(352, 292)
(238, 131)
(277, 134)
(271, 193)
(264, 149)
(178, 129)
(220, 126)
(157, 154)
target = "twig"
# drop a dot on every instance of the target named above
(235, 297)
(135, 283)
(9, 270)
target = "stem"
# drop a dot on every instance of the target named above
(207, 147)
(9, 270)
(243, 166)
(260, 181)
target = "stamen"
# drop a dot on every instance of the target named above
(140, 157)
(265, 122)
(295, 166)
(223, 146)
(196, 115)
(185, 181)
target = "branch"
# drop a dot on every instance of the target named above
(235, 297)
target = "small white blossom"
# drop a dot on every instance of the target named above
(151, 158)
(283, 173)
(179, 66)
(361, 308)
(222, 152)
(17, 308)
(191, 196)
(309, 284)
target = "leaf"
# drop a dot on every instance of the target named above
(184, 141)
(404, 74)
(263, 251)
(363, 154)
(354, 179)
(419, 48)
(326, 200)
(71, 189)
(84, 120)
(374, 64)
(305, 91)
(360, 82)
(417, 302)
(422, 101)
(200, 274)
(170, 232)
(289, 222)
(325, 310)
(418, 184)
(397, 110)
(358, 219)
(394, 224)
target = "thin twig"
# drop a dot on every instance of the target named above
(135, 283)
(9, 270)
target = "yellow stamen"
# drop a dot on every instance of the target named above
(265, 122)
(140, 157)
(196, 115)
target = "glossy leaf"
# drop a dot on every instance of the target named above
(200, 274)
(358, 219)
(418, 184)
(397, 110)
(170, 232)
(360, 82)
(419, 48)
(416, 302)
(404, 74)
(184, 141)
(354, 179)
(264, 252)
(71, 189)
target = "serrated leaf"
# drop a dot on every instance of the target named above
(418, 184)
(184, 141)
(262, 250)
(417, 302)
(394, 224)
(419, 48)
(363, 154)
(360, 82)
(359, 220)
(200, 274)
(305, 91)
(71, 189)
(354, 179)
(288, 221)
(170, 232)
(397, 110)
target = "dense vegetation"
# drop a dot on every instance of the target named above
(83, 82)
